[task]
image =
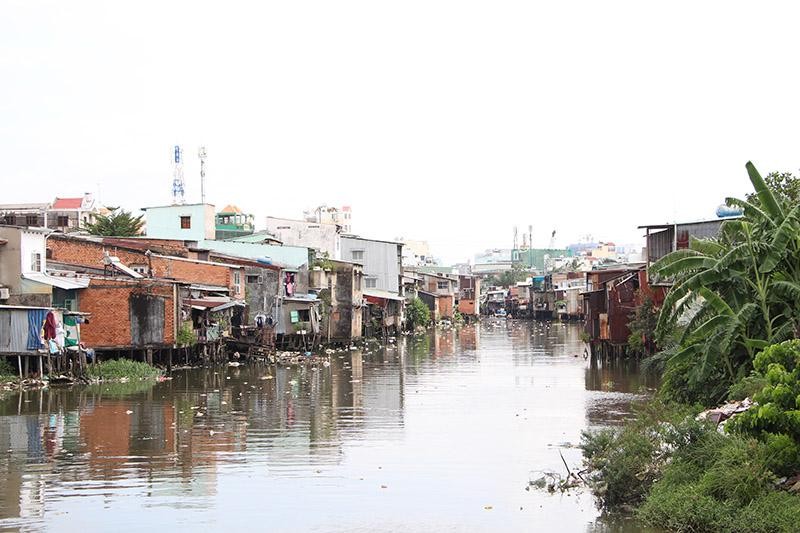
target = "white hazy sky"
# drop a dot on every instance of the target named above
(450, 121)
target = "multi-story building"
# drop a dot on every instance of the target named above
(319, 236)
(417, 253)
(341, 216)
(23, 269)
(64, 214)
(382, 260)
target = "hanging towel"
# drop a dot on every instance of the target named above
(35, 319)
(50, 326)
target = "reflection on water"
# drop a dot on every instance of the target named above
(434, 432)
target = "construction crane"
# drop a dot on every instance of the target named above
(178, 184)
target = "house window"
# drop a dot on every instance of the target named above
(36, 262)
(186, 222)
(443, 284)
(254, 279)
(62, 221)
(31, 220)
(372, 283)
(284, 227)
(237, 280)
(140, 269)
(357, 254)
(9, 219)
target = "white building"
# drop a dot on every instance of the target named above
(319, 236)
(341, 216)
(417, 253)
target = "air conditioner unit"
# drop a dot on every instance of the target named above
(5, 294)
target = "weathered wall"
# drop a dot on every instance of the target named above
(109, 302)
(90, 253)
(261, 294)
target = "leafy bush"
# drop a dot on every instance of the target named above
(778, 410)
(746, 387)
(121, 369)
(626, 462)
(418, 313)
(721, 483)
(186, 334)
(7, 372)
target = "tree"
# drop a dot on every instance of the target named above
(418, 313)
(784, 185)
(119, 223)
(731, 296)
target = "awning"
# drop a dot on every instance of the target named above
(386, 295)
(207, 288)
(53, 281)
(228, 306)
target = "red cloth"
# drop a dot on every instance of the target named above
(50, 326)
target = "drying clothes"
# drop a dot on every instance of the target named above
(50, 326)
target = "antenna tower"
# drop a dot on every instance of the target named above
(177, 178)
(201, 153)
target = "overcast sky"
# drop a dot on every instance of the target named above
(445, 121)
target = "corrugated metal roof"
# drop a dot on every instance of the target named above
(386, 295)
(53, 281)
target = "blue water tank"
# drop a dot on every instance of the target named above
(265, 260)
(729, 211)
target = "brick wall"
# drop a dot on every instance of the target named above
(108, 302)
(90, 254)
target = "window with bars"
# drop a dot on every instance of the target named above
(36, 262)
(371, 283)
(186, 222)
(357, 254)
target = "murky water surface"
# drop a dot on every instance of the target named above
(437, 433)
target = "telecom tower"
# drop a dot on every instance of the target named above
(177, 178)
(201, 153)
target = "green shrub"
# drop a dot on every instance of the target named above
(627, 461)
(715, 484)
(123, 369)
(186, 335)
(7, 372)
(747, 387)
(418, 313)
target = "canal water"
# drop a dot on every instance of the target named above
(433, 433)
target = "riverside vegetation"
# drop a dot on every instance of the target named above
(727, 330)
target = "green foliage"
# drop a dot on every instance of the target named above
(120, 223)
(626, 462)
(776, 417)
(747, 387)
(323, 261)
(117, 369)
(186, 334)
(417, 313)
(642, 326)
(733, 295)
(720, 483)
(7, 372)
(509, 277)
(783, 184)
(683, 475)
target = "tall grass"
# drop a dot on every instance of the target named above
(117, 369)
